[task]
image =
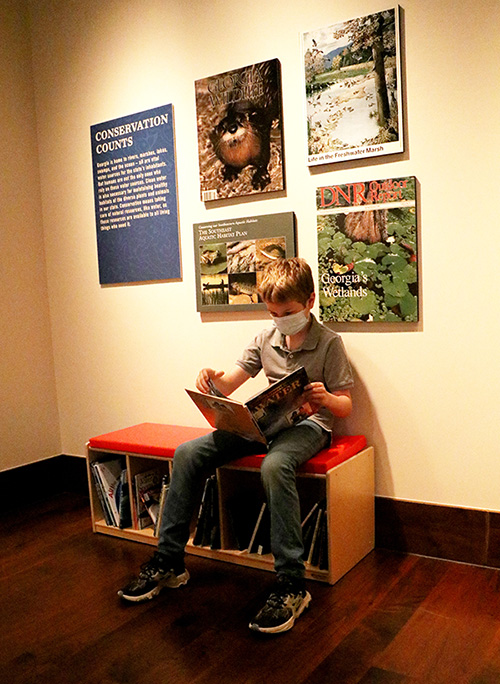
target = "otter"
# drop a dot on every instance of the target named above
(243, 135)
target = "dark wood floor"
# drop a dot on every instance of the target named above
(393, 619)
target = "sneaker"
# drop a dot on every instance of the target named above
(286, 602)
(155, 574)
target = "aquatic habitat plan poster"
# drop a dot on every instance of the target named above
(352, 74)
(230, 256)
(135, 194)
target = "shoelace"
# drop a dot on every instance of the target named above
(149, 568)
(282, 589)
(276, 599)
(278, 596)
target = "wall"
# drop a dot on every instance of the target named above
(428, 394)
(29, 423)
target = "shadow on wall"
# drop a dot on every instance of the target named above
(364, 421)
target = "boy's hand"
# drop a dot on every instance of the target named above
(206, 374)
(339, 403)
(316, 395)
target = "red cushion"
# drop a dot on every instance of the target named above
(156, 439)
(153, 439)
(339, 451)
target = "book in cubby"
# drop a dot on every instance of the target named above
(314, 535)
(147, 493)
(207, 532)
(165, 485)
(260, 541)
(110, 479)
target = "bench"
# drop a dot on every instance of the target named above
(343, 474)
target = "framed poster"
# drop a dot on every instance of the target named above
(353, 99)
(230, 256)
(367, 251)
(135, 194)
(240, 131)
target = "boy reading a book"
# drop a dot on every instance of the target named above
(296, 339)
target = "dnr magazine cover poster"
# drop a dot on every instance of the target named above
(353, 100)
(230, 256)
(240, 131)
(367, 251)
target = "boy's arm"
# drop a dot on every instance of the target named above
(225, 381)
(339, 403)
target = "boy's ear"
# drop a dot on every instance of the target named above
(311, 300)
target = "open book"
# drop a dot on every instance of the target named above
(275, 408)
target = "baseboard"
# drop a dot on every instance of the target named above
(42, 479)
(458, 534)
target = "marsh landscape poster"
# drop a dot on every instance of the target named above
(352, 75)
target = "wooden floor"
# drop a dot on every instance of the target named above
(393, 619)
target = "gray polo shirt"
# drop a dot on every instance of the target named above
(322, 354)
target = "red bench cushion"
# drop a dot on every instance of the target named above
(153, 439)
(341, 449)
(156, 439)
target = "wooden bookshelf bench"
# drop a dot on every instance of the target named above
(343, 474)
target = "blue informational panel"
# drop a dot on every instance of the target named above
(135, 191)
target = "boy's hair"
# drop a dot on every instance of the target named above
(287, 280)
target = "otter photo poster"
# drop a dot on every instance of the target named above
(135, 193)
(240, 132)
(230, 256)
(367, 251)
(353, 84)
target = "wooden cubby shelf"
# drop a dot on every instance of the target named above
(347, 488)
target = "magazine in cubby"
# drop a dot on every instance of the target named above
(110, 481)
(147, 477)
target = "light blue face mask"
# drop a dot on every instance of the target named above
(293, 323)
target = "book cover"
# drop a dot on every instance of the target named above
(352, 73)
(165, 485)
(240, 131)
(368, 251)
(230, 256)
(252, 547)
(309, 524)
(203, 514)
(100, 495)
(207, 532)
(280, 405)
(305, 522)
(262, 541)
(151, 500)
(109, 474)
(214, 538)
(147, 486)
(316, 531)
(227, 414)
(124, 501)
(272, 409)
(323, 550)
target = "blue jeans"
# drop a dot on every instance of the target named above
(195, 459)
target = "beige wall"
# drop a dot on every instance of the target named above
(29, 424)
(427, 396)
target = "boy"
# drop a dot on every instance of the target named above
(296, 339)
